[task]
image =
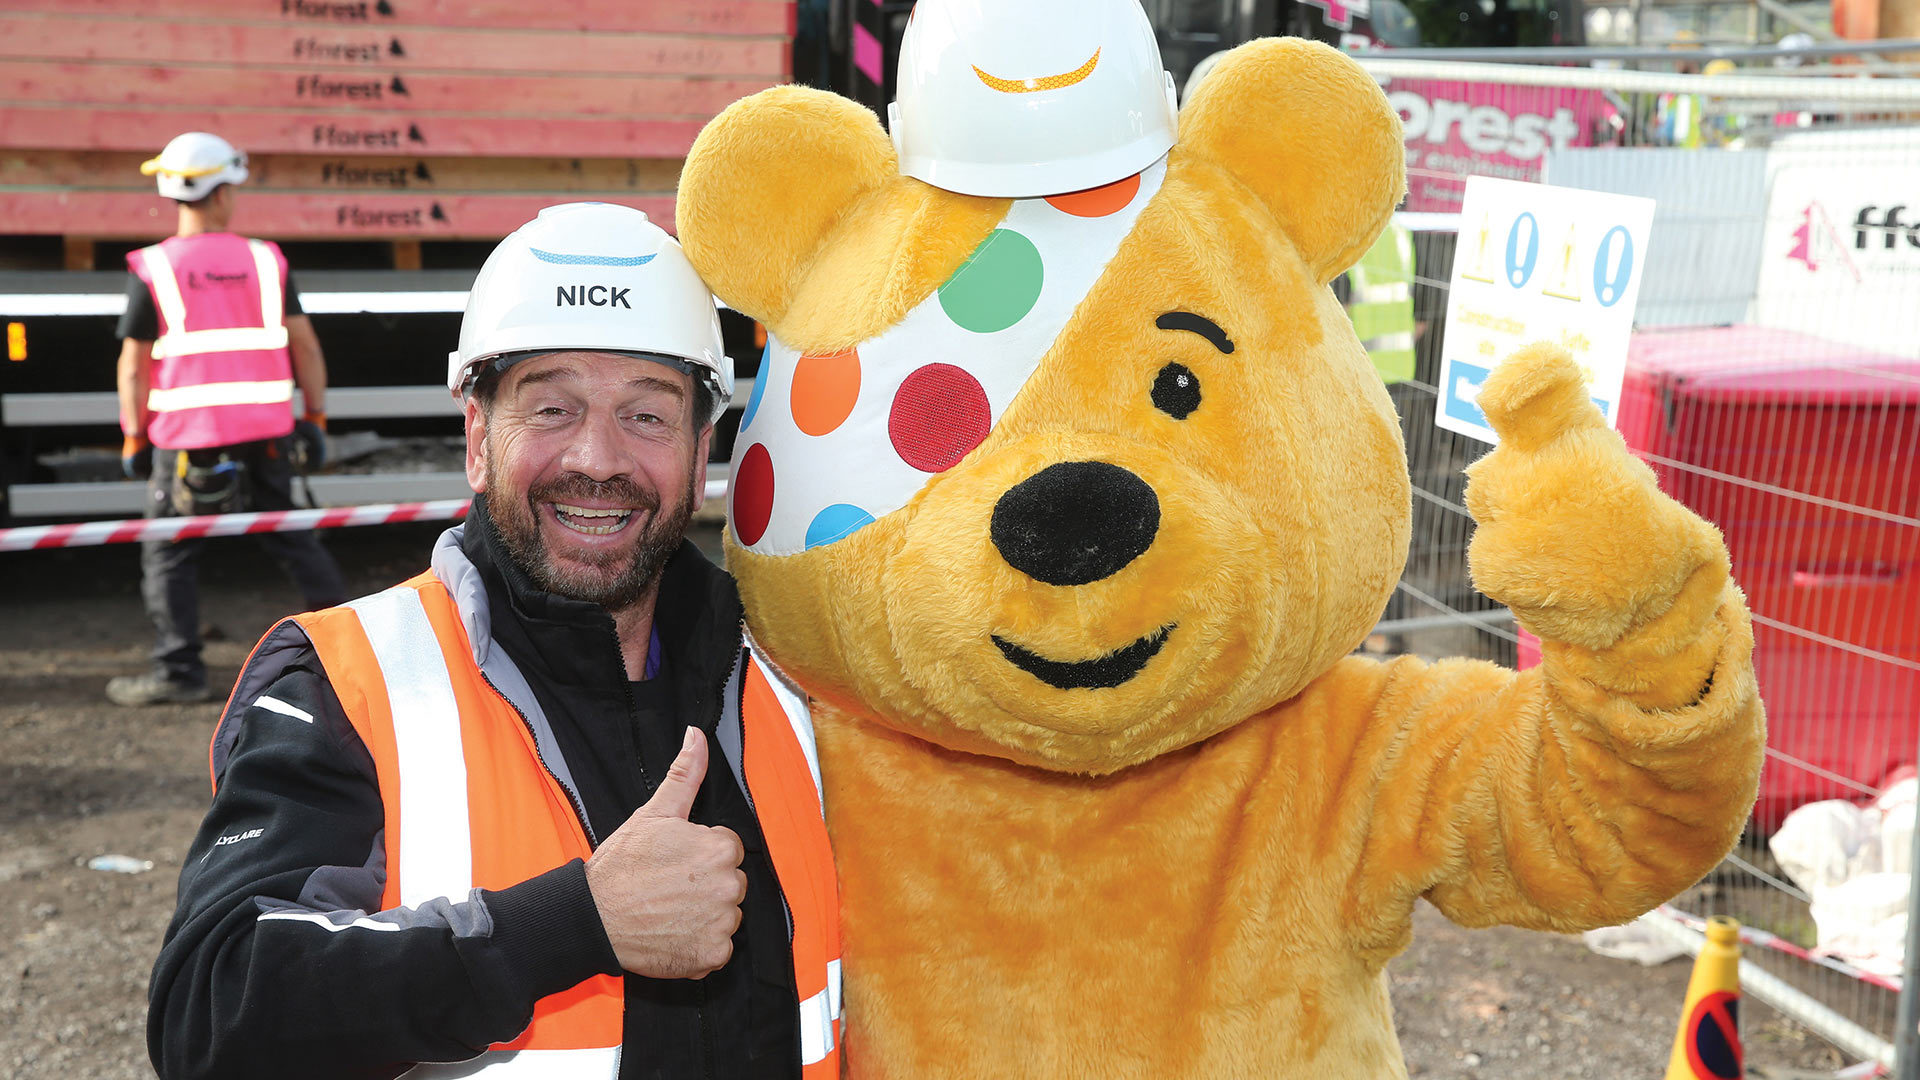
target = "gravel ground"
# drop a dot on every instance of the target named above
(82, 778)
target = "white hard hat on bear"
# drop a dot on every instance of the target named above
(192, 165)
(1019, 99)
(593, 277)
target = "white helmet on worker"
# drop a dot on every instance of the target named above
(594, 277)
(1019, 99)
(192, 165)
(1790, 47)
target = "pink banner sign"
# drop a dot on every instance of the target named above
(1459, 129)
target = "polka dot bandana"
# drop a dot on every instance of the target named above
(831, 442)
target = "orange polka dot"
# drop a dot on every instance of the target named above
(825, 386)
(1098, 201)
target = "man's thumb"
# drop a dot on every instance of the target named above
(674, 796)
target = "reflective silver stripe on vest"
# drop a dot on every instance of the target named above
(264, 392)
(273, 301)
(226, 339)
(527, 1065)
(833, 986)
(816, 1029)
(817, 1015)
(1368, 291)
(179, 341)
(1400, 342)
(166, 287)
(436, 845)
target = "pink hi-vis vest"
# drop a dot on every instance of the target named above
(221, 372)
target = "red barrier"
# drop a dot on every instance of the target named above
(92, 533)
(1761, 938)
(88, 533)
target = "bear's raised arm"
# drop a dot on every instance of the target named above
(1587, 790)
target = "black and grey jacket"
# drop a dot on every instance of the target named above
(329, 986)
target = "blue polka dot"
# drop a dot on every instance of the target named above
(759, 385)
(836, 522)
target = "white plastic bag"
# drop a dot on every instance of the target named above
(1632, 942)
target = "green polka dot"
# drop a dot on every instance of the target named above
(996, 286)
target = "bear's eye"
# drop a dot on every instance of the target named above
(1176, 391)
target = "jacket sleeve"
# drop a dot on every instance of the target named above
(278, 960)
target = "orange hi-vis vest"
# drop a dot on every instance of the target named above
(471, 804)
(221, 370)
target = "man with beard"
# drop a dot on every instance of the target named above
(470, 819)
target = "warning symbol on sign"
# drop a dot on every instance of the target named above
(1713, 1037)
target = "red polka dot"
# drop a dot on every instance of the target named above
(1098, 201)
(752, 495)
(939, 413)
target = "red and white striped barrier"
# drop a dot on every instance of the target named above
(87, 533)
(1765, 940)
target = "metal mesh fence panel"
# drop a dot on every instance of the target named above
(1776, 355)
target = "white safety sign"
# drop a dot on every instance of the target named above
(1540, 263)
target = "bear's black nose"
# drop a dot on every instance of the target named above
(1075, 522)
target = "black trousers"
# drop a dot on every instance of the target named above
(170, 569)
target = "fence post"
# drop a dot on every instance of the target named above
(1906, 1037)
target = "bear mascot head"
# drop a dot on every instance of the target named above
(1066, 512)
(1003, 454)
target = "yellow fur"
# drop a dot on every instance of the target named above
(1202, 871)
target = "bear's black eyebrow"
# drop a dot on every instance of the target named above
(1197, 324)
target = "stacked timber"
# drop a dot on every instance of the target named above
(400, 120)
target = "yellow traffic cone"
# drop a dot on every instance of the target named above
(1708, 1044)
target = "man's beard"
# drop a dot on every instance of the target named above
(614, 579)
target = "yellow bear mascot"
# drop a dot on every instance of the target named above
(1067, 514)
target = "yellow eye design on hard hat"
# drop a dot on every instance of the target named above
(1051, 82)
(152, 166)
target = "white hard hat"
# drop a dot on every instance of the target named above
(1019, 99)
(597, 277)
(1797, 40)
(192, 165)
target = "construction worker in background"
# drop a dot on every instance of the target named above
(472, 818)
(213, 342)
(1676, 116)
(1791, 57)
(1378, 294)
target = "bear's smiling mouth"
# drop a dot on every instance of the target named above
(1099, 673)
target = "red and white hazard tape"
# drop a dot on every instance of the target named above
(85, 533)
(1765, 940)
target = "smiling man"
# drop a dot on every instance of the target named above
(470, 820)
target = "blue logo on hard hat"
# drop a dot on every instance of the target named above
(564, 259)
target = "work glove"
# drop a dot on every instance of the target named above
(310, 441)
(136, 457)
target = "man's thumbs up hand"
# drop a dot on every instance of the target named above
(669, 891)
(674, 797)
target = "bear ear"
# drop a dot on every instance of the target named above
(1312, 134)
(765, 182)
